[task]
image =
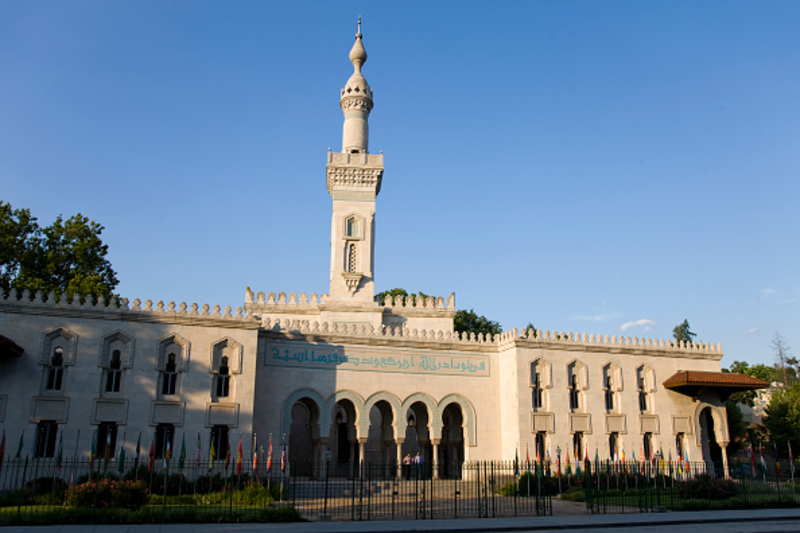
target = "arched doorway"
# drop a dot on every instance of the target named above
(711, 450)
(451, 448)
(417, 438)
(303, 433)
(344, 443)
(380, 447)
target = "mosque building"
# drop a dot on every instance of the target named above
(344, 376)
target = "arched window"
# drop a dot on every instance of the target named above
(55, 373)
(169, 378)
(536, 387)
(609, 392)
(574, 393)
(223, 378)
(114, 372)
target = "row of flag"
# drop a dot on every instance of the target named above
(167, 456)
(657, 459)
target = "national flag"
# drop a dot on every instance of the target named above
(227, 459)
(21, 444)
(138, 452)
(121, 458)
(516, 462)
(763, 461)
(283, 458)
(527, 455)
(577, 463)
(255, 455)
(182, 456)
(670, 463)
(269, 456)
(3, 450)
(93, 451)
(663, 464)
(791, 456)
(753, 460)
(633, 460)
(569, 465)
(212, 454)
(548, 463)
(198, 450)
(777, 460)
(107, 451)
(239, 458)
(152, 457)
(60, 456)
(558, 463)
(167, 456)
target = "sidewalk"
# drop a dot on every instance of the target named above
(576, 522)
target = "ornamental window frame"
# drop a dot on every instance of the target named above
(172, 361)
(233, 351)
(57, 353)
(117, 350)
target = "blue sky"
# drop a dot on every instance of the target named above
(600, 167)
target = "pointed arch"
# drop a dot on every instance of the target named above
(286, 411)
(127, 348)
(467, 410)
(398, 416)
(362, 417)
(63, 338)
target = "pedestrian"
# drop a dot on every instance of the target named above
(419, 460)
(407, 466)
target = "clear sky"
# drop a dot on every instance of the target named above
(599, 167)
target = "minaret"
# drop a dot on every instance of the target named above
(354, 181)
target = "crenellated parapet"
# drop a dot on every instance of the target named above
(416, 302)
(124, 309)
(365, 334)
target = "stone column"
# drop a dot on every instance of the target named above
(399, 467)
(361, 446)
(724, 447)
(435, 458)
(315, 458)
(352, 455)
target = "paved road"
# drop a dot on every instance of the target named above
(773, 520)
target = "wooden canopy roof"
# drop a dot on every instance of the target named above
(693, 383)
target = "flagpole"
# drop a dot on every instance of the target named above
(75, 457)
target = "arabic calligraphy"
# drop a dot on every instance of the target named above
(310, 357)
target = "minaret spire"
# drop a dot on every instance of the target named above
(354, 180)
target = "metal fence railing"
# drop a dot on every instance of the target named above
(678, 486)
(225, 490)
(346, 492)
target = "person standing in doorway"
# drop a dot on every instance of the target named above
(419, 460)
(407, 466)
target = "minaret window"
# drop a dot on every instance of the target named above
(536, 386)
(351, 227)
(55, 373)
(574, 402)
(351, 257)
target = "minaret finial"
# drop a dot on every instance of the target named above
(359, 27)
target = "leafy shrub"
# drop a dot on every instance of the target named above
(707, 488)
(574, 495)
(45, 485)
(108, 493)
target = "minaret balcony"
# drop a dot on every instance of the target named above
(352, 280)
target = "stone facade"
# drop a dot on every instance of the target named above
(366, 380)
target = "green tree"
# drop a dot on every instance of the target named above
(782, 418)
(470, 321)
(18, 230)
(761, 371)
(737, 428)
(67, 256)
(783, 359)
(682, 332)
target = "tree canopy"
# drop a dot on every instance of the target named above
(397, 291)
(67, 256)
(782, 419)
(470, 321)
(683, 333)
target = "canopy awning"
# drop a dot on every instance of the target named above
(693, 383)
(9, 348)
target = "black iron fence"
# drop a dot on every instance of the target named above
(344, 492)
(658, 485)
(227, 489)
